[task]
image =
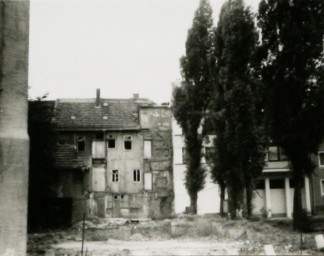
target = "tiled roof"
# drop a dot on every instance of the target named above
(66, 157)
(120, 114)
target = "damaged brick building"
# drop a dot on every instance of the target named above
(114, 157)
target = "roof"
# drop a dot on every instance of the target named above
(112, 114)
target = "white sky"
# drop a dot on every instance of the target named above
(120, 46)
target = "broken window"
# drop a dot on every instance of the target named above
(137, 175)
(81, 143)
(128, 142)
(115, 176)
(111, 143)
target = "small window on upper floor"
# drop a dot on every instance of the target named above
(276, 153)
(111, 143)
(81, 143)
(321, 159)
(115, 177)
(137, 175)
(128, 142)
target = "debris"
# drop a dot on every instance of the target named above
(268, 249)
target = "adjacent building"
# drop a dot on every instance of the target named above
(114, 157)
(274, 191)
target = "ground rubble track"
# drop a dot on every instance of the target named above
(138, 248)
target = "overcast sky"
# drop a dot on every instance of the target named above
(120, 46)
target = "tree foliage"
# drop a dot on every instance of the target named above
(239, 139)
(42, 175)
(292, 72)
(190, 100)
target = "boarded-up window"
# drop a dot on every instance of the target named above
(148, 181)
(98, 179)
(147, 149)
(98, 149)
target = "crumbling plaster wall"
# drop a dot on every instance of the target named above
(157, 127)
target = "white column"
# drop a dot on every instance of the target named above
(268, 197)
(307, 194)
(288, 199)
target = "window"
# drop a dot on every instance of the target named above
(115, 176)
(137, 175)
(321, 159)
(128, 142)
(322, 187)
(81, 143)
(111, 143)
(147, 149)
(276, 153)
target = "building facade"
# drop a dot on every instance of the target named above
(114, 157)
(274, 191)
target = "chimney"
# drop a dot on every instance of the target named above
(98, 99)
(135, 96)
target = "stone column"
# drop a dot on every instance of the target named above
(307, 194)
(288, 198)
(268, 197)
(14, 142)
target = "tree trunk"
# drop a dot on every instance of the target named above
(232, 203)
(222, 199)
(297, 214)
(193, 203)
(248, 194)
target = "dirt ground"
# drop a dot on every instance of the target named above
(184, 235)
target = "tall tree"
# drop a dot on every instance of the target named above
(42, 175)
(292, 72)
(190, 100)
(239, 141)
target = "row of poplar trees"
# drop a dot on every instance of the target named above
(254, 79)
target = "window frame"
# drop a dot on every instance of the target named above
(319, 159)
(279, 155)
(137, 175)
(77, 143)
(129, 139)
(115, 176)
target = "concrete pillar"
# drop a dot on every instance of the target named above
(14, 142)
(307, 194)
(288, 198)
(268, 197)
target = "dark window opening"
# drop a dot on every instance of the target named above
(111, 143)
(321, 158)
(121, 196)
(128, 145)
(115, 176)
(277, 183)
(81, 144)
(136, 175)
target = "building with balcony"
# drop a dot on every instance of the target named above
(114, 157)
